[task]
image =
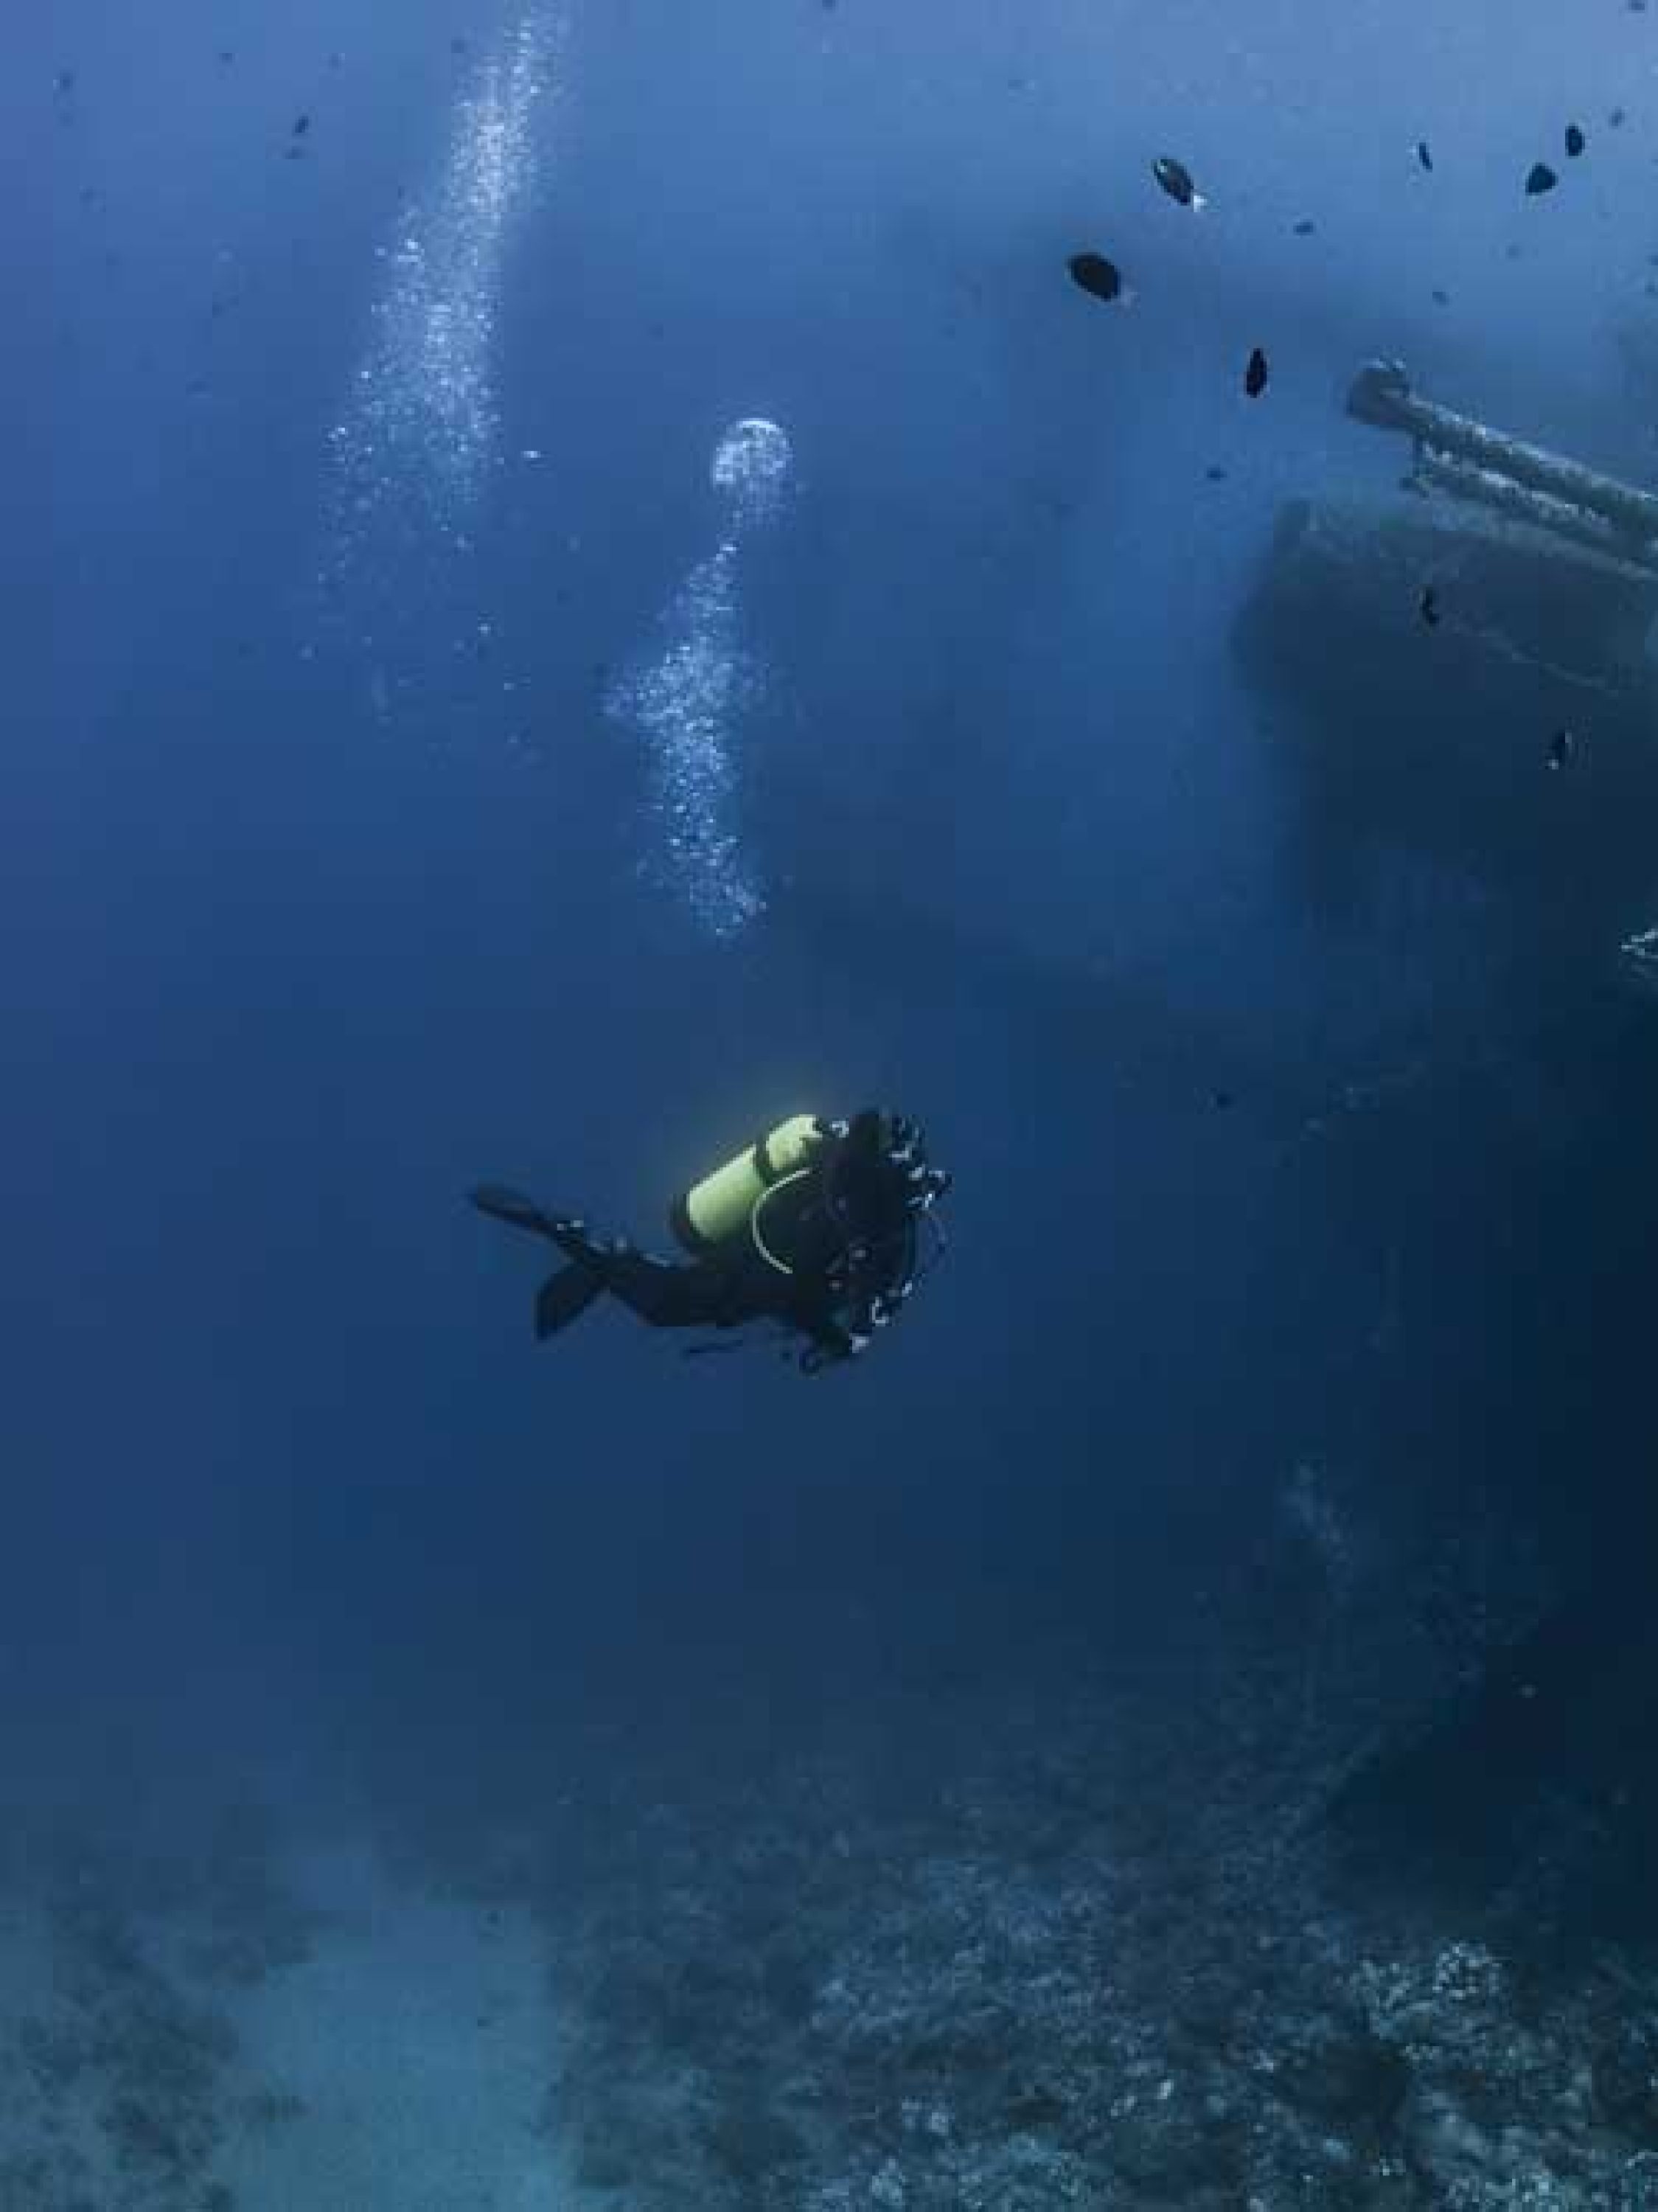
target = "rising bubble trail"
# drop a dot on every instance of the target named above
(688, 704)
(415, 445)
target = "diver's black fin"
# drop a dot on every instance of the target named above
(566, 1296)
(504, 1205)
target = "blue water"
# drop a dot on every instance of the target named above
(419, 771)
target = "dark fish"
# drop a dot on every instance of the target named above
(1255, 377)
(1220, 1100)
(1541, 179)
(1423, 154)
(457, 46)
(1560, 748)
(1177, 182)
(1305, 228)
(1443, 298)
(1215, 473)
(1096, 274)
(1431, 607)
(1576, 141)
(227, 55)
(1615, 119)
(301, 124)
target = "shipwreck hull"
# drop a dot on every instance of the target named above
(1443, 735)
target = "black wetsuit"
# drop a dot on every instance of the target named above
(834, 1287)
(829, 1254)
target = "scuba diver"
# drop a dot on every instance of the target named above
(817, 1227)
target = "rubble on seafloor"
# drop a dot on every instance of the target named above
(1049, 1933)
(1105, 1959)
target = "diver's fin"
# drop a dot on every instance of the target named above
(567, 1231)
(565, 1296)
(504, 1205)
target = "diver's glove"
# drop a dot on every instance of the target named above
(831, 1353)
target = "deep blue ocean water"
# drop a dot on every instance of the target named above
(419, 771)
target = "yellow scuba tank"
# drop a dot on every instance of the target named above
(722, 1204)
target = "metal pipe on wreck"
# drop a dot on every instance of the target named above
(1521, 502)
(1381, 396)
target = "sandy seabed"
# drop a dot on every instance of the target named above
(266, 2033)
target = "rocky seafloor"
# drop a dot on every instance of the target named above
(1088, 1945)
(1055, 1932)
